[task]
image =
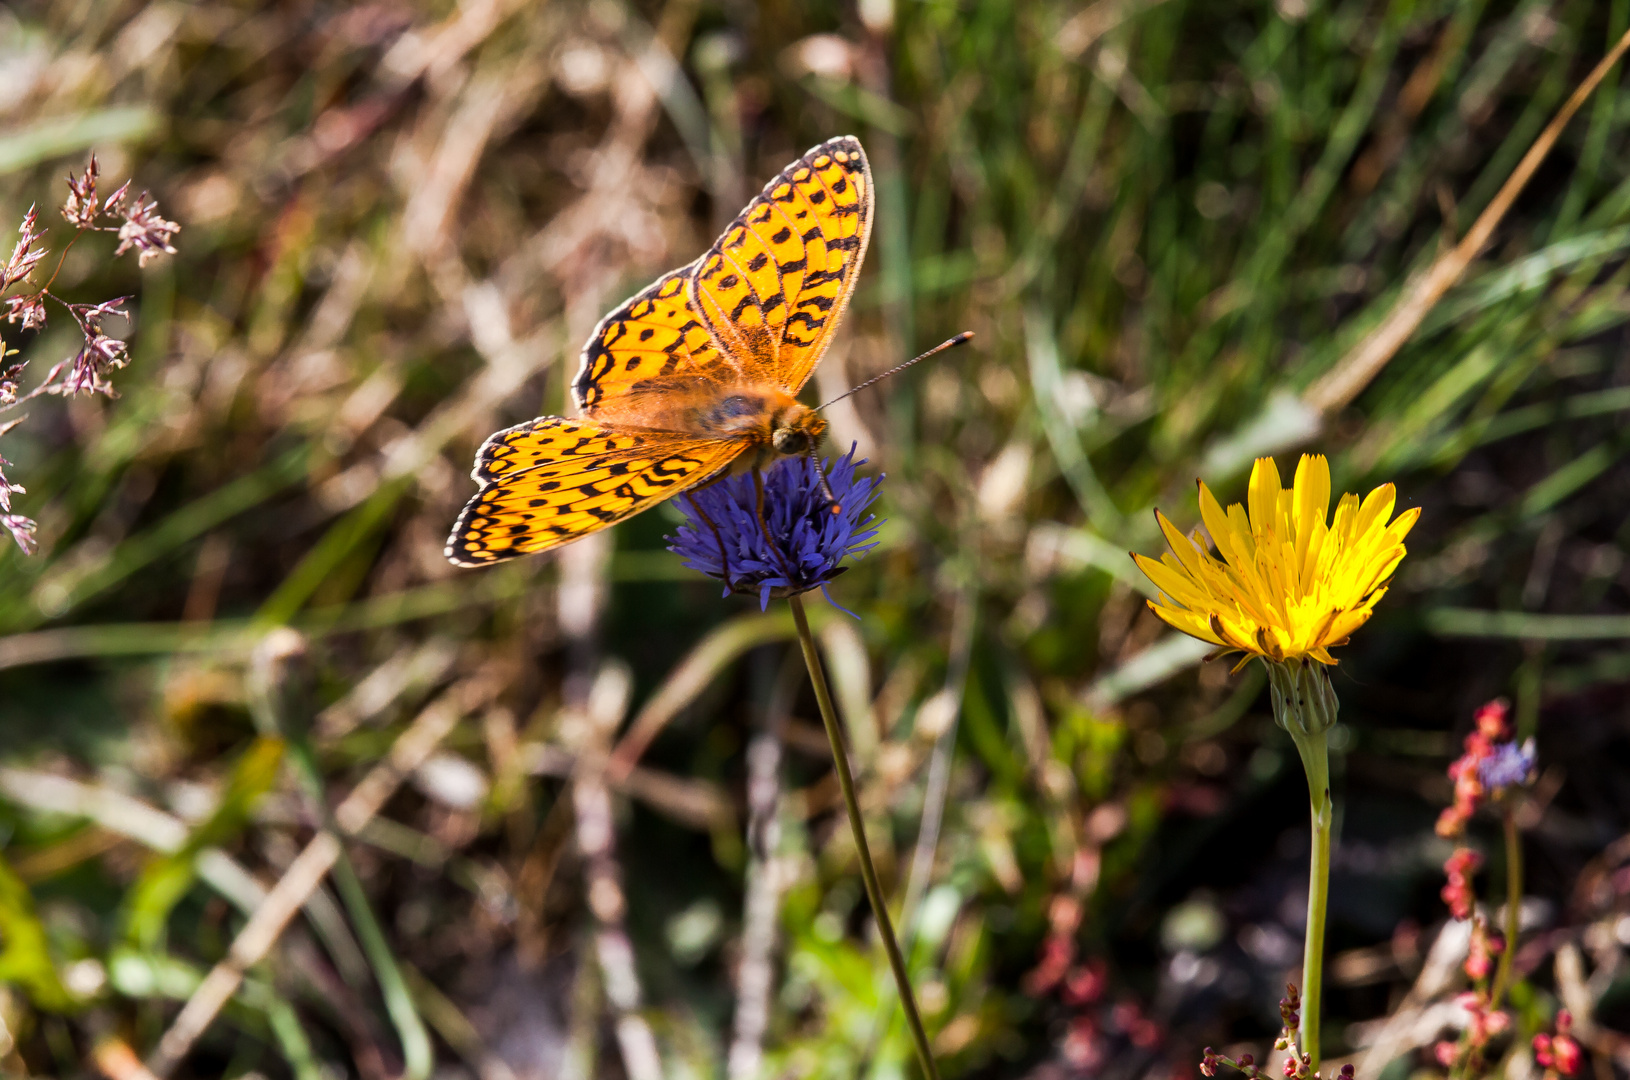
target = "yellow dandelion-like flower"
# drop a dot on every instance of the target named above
(1288, 584)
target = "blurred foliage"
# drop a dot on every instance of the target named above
(1164, 221)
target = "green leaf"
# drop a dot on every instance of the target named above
(25, 955)
(62, 136)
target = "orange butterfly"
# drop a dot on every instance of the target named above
(694, 371)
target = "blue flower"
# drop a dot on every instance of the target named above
(810, 541)
(1508, 764)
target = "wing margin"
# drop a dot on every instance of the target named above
(573, 478)
(759, 289)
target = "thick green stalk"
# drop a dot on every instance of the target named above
(1315, 753)
(868, 873)
(1304, 704)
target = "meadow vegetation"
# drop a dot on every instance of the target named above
(575, 815)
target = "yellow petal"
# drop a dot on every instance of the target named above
(1312, 502)
(1377, 508)
(1233, 636)
(1342, 525)
(1187, 622)
(1264, 496)
(1218, 525)
(1187, 551)
(1345, 624)
(1175, 585)
(1402, 524)
(1241, 526)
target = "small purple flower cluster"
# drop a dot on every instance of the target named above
(1507, 765)
(800, 544)
(140, 229)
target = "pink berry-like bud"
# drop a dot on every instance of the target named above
(1568, 1055)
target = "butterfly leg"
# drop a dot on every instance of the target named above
(826, 487)
(758, 509)
(718, 538)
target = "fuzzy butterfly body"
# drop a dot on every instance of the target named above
(695, 370)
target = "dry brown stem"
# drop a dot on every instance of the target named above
(766, 878)
(309, 868)
(1338, 387)
(606, 703)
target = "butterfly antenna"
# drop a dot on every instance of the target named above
(826, 487)
(960, 339)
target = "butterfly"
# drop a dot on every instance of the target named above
(700, 367)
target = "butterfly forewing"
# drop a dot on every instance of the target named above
(647, 344)
(549, 481)
(773, 287)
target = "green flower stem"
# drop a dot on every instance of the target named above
(868, 873)
(1304, 704)
(1315, 752)
(1513, 906)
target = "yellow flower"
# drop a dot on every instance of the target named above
(1288, 585)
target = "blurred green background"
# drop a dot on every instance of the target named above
(1164, 221)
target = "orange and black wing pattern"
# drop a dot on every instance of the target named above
(550, 481)
(773, 288)
(652, 342)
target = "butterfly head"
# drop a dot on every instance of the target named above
(796, 429)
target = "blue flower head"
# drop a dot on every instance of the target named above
(810, 541)
(1509, 764)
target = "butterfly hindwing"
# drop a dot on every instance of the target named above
(550, 481)
(774, 287)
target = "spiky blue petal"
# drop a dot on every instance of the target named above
(810, 542)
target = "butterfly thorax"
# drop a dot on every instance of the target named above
(758, 414)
